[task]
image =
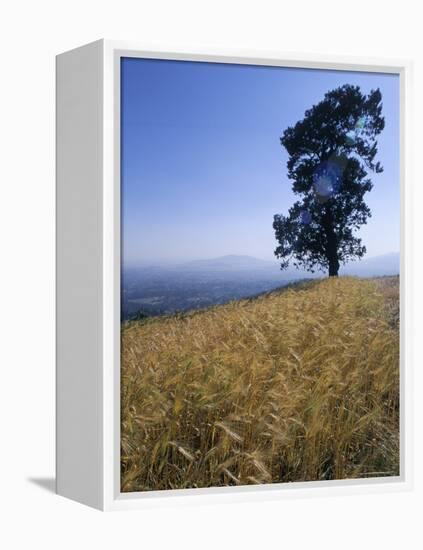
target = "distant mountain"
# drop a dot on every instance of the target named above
(231, 262)
(387, 264)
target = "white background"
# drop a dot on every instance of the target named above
(31, 34)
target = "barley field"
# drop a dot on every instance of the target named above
(300, 384)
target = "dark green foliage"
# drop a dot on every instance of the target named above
(331, 152)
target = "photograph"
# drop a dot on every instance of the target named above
(260, 219)
(212, 257)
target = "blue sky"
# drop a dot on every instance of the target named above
(203, 171)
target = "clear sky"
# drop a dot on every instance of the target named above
(203, 171)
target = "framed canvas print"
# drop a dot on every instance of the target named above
(232, 275)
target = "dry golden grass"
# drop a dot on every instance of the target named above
(296, 385)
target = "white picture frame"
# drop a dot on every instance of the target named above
(88, 279)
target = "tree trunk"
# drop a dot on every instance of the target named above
(331, 243)
(333, 267)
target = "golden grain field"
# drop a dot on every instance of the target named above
(296, 385)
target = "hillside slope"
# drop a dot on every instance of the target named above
(292, 386)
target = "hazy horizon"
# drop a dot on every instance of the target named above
(151, 262)
(203, 171)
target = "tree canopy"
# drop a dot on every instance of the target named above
(331, 153)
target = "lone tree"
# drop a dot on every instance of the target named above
(331, 152)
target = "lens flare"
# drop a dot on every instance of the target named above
(361, 123)
(351, 138)
(305, 217)
(327, 180)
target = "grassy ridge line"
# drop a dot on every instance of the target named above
(293, 385)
